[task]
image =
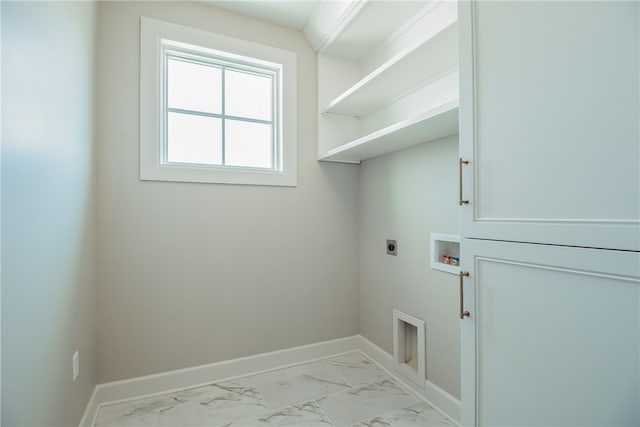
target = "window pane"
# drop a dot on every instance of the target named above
(247, 95)
(194, 87)
(248, 144)
(194, 139)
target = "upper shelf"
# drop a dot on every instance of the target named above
(400, 70)
(370, 26)
(353, 28)
(427, 126)
(403, 73)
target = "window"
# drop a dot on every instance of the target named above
(214, 108)
(218, 111)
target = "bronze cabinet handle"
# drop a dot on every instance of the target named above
(463, 313)
(462, 201)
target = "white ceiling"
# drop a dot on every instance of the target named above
(289, 13)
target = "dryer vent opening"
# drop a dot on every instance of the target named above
(409, 347)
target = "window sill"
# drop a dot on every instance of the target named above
(241, 176)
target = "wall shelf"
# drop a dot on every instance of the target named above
(398, 76)
(444, 244)
(369, 25)
(430, 125)
(396, 90)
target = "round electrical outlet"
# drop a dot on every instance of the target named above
(392, 247)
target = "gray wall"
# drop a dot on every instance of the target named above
(406, 196)
(48, 211)
(189, 273)
(198, 273)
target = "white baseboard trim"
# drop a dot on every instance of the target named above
(90, 412)
(434, 395)
(206, 374)
(166, 382)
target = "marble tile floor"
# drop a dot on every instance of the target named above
(345, 390)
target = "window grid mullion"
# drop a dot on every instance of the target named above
(224, 120)
(223, 116)
(218, 116)
(164, 99)
(273, 128)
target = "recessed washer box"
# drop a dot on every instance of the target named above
(445, 245)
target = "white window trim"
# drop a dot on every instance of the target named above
(152, 31)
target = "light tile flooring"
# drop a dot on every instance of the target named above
(346, 390)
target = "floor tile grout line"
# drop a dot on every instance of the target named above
(343, 377)
(357, 388)
(324, 412)
(304, 402)
(405, 388)
(381, 415)
(267, 412)
(351, 387)
(316, 398)
(373, 418)
(387, 373)
(295, 405)
(387, 420)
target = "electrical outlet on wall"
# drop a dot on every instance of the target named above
(76, 365)
(392, 247)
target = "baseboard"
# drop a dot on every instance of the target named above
(437, 397)
(90, 412)
(206, 374)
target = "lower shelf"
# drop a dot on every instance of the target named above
(427, 126)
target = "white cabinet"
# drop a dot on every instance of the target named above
(553, 335)
(550, 212)
(549, 122)
(387, 76)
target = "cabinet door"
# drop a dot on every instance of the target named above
(549, 113)
(553, 335)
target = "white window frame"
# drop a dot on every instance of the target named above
(221, 60)
(155, 35)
